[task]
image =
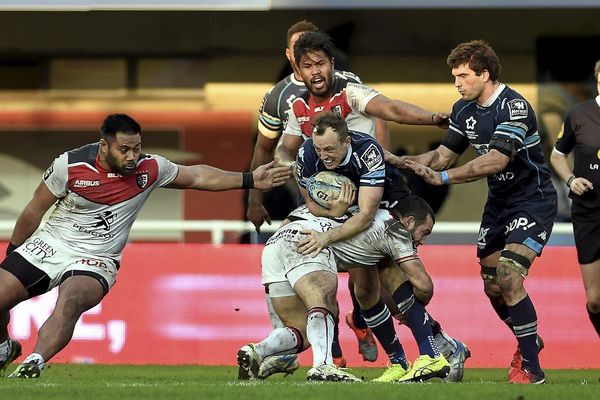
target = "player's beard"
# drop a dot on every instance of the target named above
(122, 169)
(325, 90)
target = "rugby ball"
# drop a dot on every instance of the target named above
(325, 183)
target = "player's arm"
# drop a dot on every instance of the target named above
(30, 218)
(415, 272)
(578, 185)
(263, 154)
(285, 154)
(438, 159)
(404, 113)
(490, 163)
(206, 177)
(369, 198)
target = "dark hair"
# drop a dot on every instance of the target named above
(119, 123)
(313, 41)
(597, 70)
(300, 26)
(478, 55)
(331, 120)
(415, 206)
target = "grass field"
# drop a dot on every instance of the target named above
(98, 382)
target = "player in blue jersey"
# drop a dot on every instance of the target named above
(519, 213)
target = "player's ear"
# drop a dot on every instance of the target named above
(485, 75)
(332, 62)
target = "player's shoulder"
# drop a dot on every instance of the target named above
(583, 108)
(346, 76)
(360, 141)
(512, 104)
(463, 107)
(287, 85)
(84, 154)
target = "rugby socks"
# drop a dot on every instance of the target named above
(595, 318)
(319, 331)
(280, 341)
(379, 319)
(525, 325)
(502, 310)
(417, 319)
(35, 358)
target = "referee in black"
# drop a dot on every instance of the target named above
(581, 134)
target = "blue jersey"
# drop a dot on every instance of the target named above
(506, 115)
(364, 164)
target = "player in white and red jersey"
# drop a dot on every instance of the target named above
(98, 190)
(358, 104)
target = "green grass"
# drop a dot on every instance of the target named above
(97, 382)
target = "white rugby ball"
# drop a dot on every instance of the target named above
(325, 183)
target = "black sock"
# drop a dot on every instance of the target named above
(379, 319)
(595, 318)
(502, 310)
(525, 324)
(417, 319)
(336, 350)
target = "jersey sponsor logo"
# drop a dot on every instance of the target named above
(518, 223)
(543, 236)
(95, 264)
(290, 100)
(83, 183)
(49, 171)
(319, 109)
(39, 249)
(104, 223)
(113, 175)
(503, 177)
(517, 109)
(142, 180)
(372, 157)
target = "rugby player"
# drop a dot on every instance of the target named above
(501, 126)
(98, 191)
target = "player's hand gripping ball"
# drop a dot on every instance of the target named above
(324, 184)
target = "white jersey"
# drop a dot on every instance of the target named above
(96, 208)
(386, 237)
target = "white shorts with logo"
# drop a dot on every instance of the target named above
(58, 261)
(283, 266)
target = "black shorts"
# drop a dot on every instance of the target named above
(586, 228)
(528, 223)
(34, 279)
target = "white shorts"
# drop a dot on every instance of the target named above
(58, 261)
(283, 266)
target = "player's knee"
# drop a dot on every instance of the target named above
(366, 295)
(423, 290)
(512, 261)
(593, 303)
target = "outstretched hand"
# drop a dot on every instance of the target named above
(427, 174)
(441, 119)
(266, 176)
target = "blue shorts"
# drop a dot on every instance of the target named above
(528, 223)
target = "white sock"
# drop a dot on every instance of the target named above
(279, 342)
(275, 320)
(319, 331)
(37, 358)
(4, 349)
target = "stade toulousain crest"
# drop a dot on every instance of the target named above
(142, 180)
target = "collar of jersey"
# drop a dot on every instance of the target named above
(494, 96)
(296, 81)
(598, 100)
(348, 156)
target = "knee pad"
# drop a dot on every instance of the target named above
(516, 262)
(489, 275)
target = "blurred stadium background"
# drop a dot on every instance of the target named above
(193, 73)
